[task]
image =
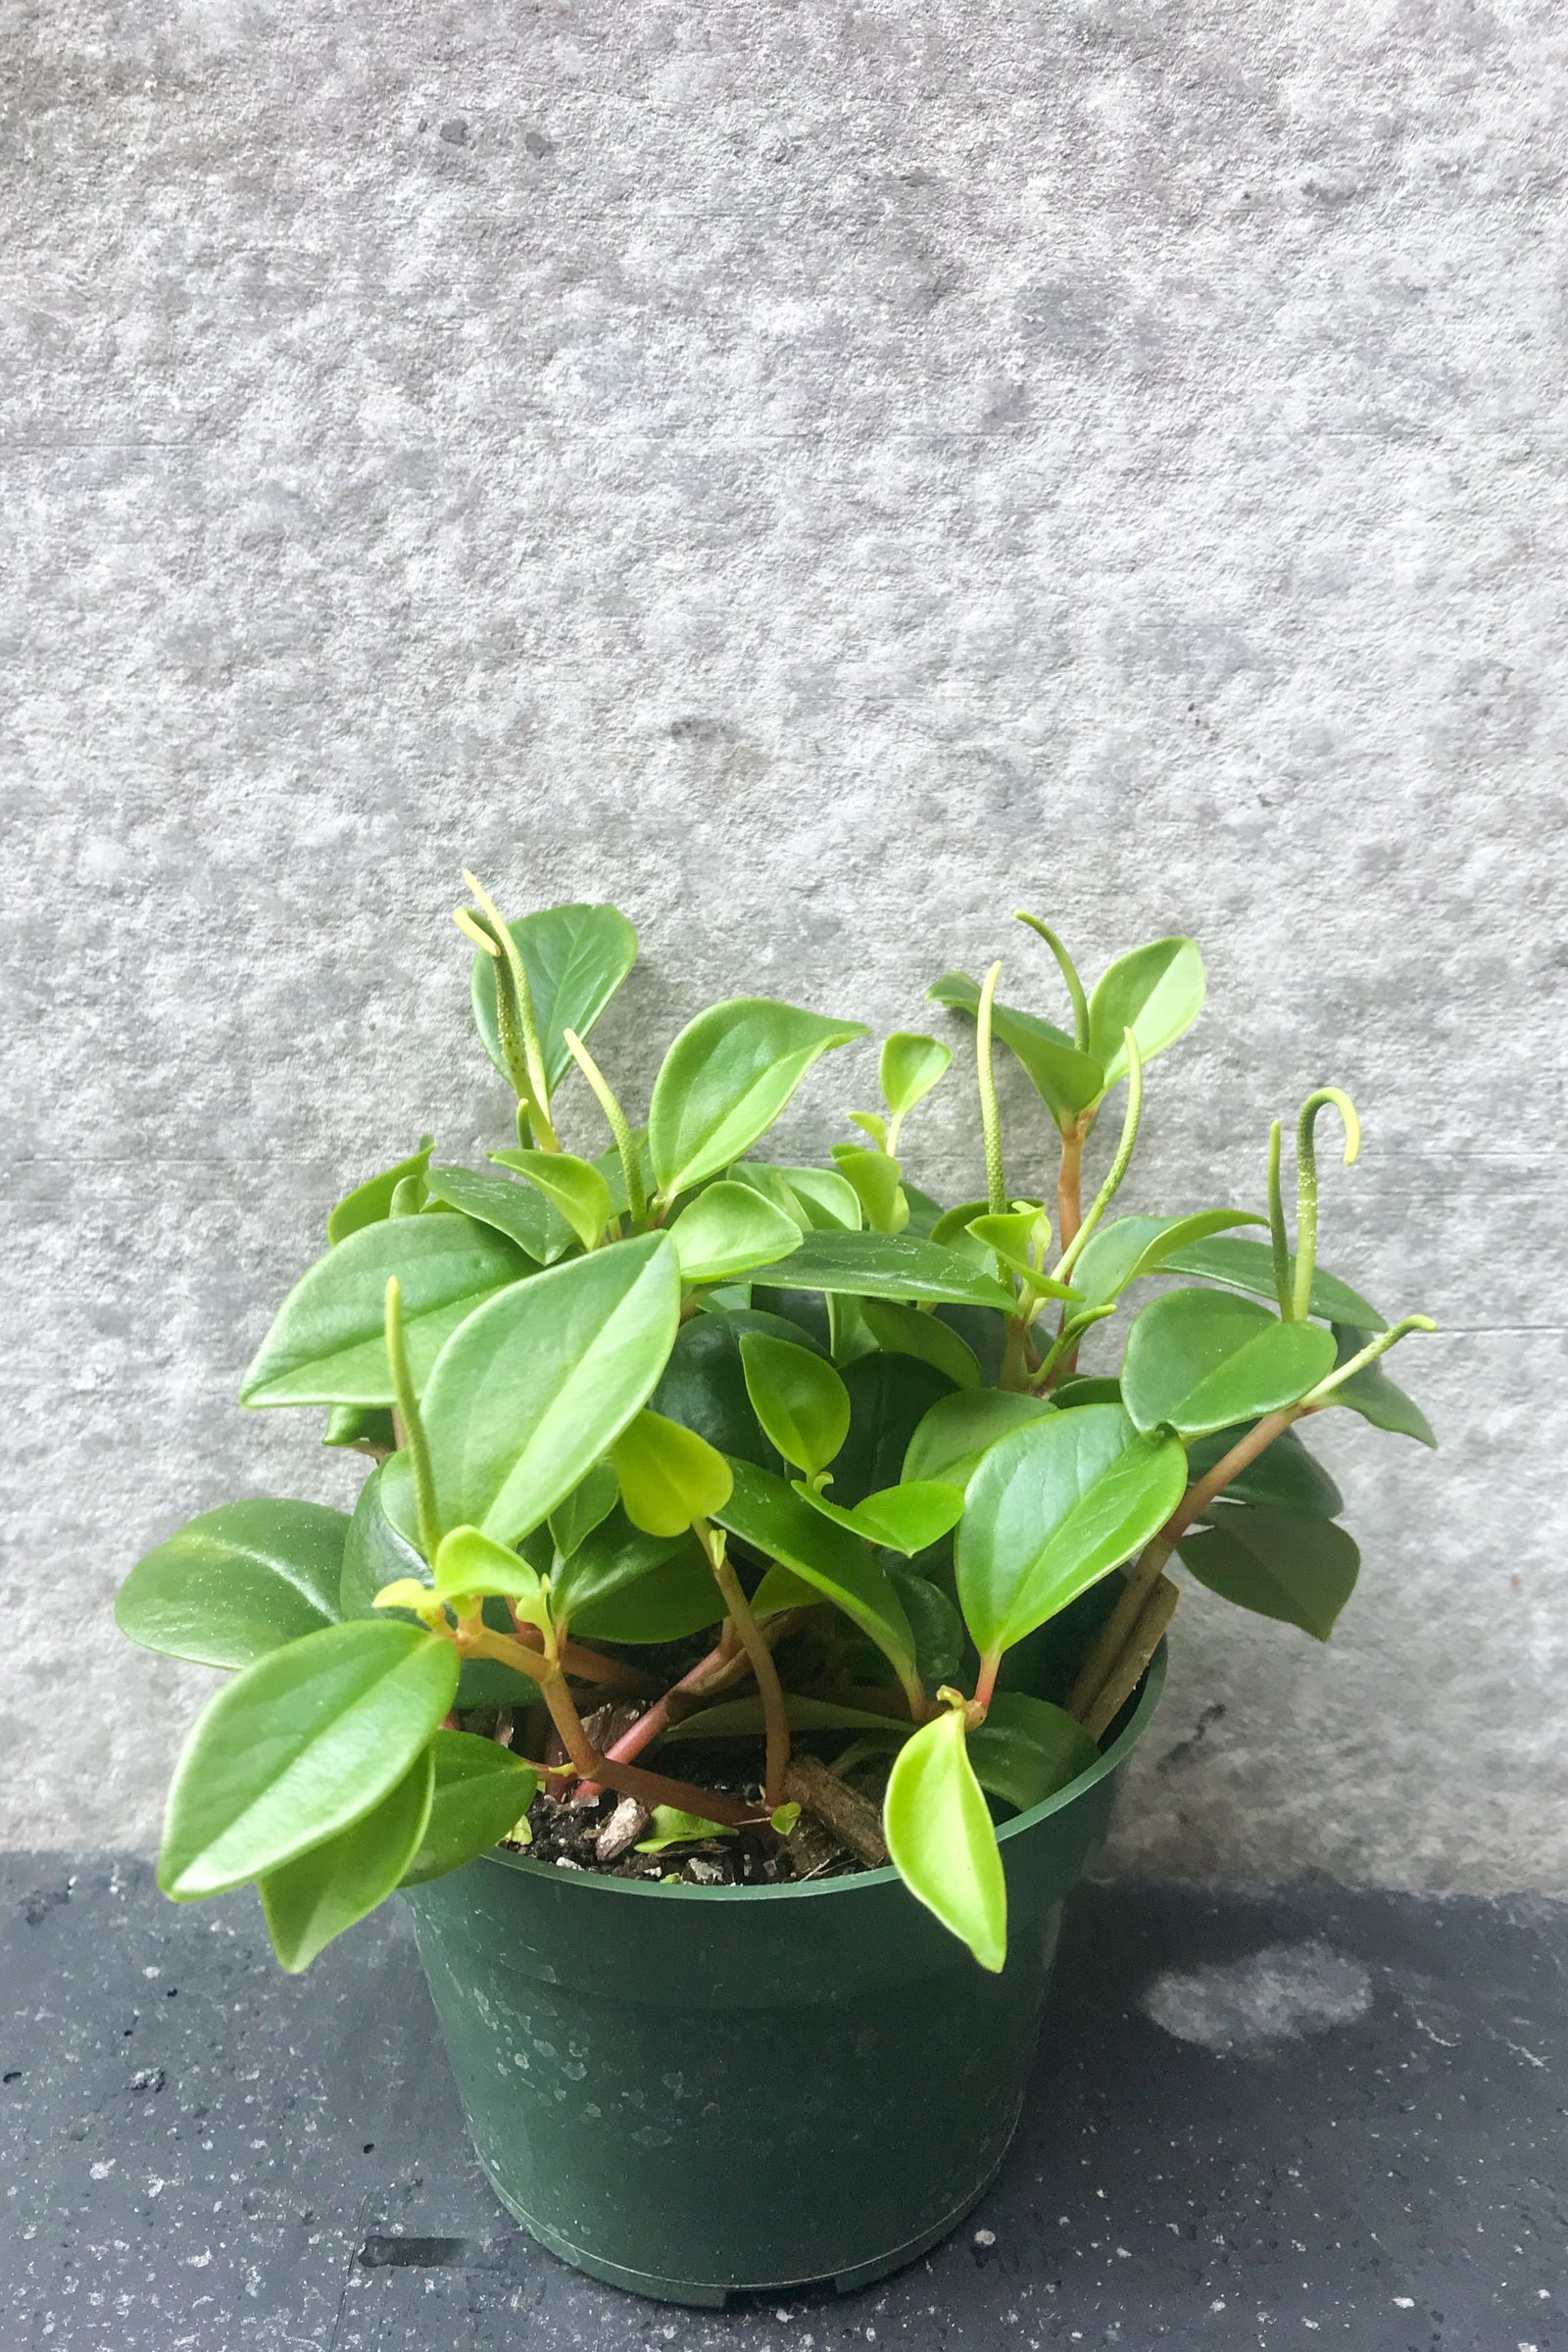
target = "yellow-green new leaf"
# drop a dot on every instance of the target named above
(575, 959)
(942, 1840)
(299, 1746)
(1156, 992)
(725, 1080)
(800, 1400)
(371, 1202)
(729, 1229)
(469, 1566)
(574, 1187)
(308, 1901)
(668, 1475)
(909, 1068)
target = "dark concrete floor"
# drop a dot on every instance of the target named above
(1280, 2119)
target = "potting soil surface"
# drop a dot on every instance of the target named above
(1294, 2118)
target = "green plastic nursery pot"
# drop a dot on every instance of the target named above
(688, 2092)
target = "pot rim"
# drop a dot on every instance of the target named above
(654, 1890)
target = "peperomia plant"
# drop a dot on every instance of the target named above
(681, 1454)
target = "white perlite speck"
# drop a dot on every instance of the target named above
(1277, 1994)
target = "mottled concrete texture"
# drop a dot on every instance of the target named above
(202, 2154)
(823, 477)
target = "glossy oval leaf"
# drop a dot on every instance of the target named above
(299, 1746)
(874, 1178)
(799, 1400)
(1285, 1477)
(369, 1202)
(767, 1514)
(377, 1550)
(729, 1230)
(574, 1188)
(957, 1433)
(1027, 1749)
(1374, 1396)
(904, 1518)
(471, 1566)
(742, 1719)
(910, 1067)
(1156, 992)
(586, 1507)
(327, 1344)
(704, 1386)
(1299, 1570)
(236, 1583)
(725, 1080)
(942, 1840)
(670, 1597)
(308, 1901)
(537, 1385)
(1051, 1509)
(1124, 1251)
(1197, 1360)
(888, 1265)
(889, 1396)
(517, 1210)
(1066, 1080)
(937, 1626)
(575, 959)
(669, 1476)
(900, 1329)
(481, 1790)
(1246, 1266)
(830, 1200)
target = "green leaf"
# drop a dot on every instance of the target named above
(904, 1331)
(354, 1427)
(515, 1209)
(236, 1583)
(801, 1402)
(890, 1396)
(481, 1792)
(327, 1344)
(380, 1550)
(888, 1265)
(624, 1585)
(956, 1434)
(830, 1200)
(369, 1202)
(471, 1566)
(1124, 1253)
(574, 1187)
(1085, 1388)
(871, 1123)
(942, 1840)
(1373, 1394)
(671, 1827)
(1199, 1361)
(906, 1518)
(1026, 1750)
(704, 1386)
(727, 1230)
(1244, 1265)
(1051, 1509)
(299, 1746)
(1156, 992)
(742, 1719)
(1066, 1080)
(764, 1513)
(1009, 1235)
(589, 1502)
(668, 1475)
(937, 1626)
(725, 1080)
(540, 1382)
(1302, 1571)
(909, 1068)
(1285, 1477)
(875, 1178)
(575, 959)
(310, 1900)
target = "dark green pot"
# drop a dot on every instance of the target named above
(686, 2092)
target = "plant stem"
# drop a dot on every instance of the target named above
(1069, 1180)
(986, 1683)
(591, 1666)
(1157, 1551)
(1378, 1345)
(775, 1715)
(651, 1786)
(853, 1818)
(1306, 1185)
(620, 1128)
(1118, 1166)
(1127, 1673)
(413, 1427)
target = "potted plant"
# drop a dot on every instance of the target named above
(735, 1647)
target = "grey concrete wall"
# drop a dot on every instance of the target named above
(823, 476)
